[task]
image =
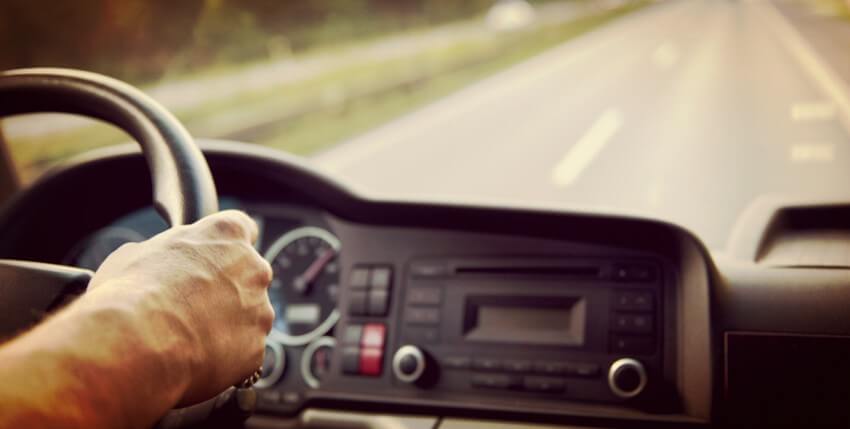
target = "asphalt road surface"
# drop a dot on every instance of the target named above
(688, 110)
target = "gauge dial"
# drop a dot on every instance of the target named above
(274, 363)
(305, 285)
(316, 361)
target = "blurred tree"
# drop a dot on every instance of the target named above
(140, 40)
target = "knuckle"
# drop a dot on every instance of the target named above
(263, 271)
(266, 318)
(228, 227)
(268, 272)
(182, 246)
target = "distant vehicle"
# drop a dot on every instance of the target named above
(510, 15)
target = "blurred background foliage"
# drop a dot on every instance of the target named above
(141, 40)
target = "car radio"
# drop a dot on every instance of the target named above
(579, 329)
(549, 334)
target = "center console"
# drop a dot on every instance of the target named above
(579, 329)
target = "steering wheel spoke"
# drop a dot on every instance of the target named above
(31, 290)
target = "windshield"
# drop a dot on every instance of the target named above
(684, 110)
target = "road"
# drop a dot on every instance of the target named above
(687, 110)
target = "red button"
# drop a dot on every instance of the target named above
(373, 336)
(370, 361)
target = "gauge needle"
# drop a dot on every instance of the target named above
(302, 283)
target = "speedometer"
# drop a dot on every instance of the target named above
(305, 285)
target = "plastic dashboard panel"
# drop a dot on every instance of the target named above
(379, 231)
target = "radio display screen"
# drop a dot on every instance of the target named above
(528, 320)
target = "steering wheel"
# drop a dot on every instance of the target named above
(183, 188)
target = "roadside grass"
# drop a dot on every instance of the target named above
(312, 133)
(315, 114)
(833, 8)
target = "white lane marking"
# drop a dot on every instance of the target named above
(812, 152)
(817, 69)
(585, 150)
(813, 111)
(665, 55)
(495, 88)
(492, 89)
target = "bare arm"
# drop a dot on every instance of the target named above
(168, 322)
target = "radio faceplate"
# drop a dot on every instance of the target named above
(556, 329)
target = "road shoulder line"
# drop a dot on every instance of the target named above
(818, 70)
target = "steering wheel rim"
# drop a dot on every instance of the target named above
(183, 187)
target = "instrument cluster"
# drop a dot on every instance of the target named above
(303, 254)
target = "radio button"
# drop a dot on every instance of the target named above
(551, 368)
(371, 361)
(457, 362)
(632, 323)
(351, 360)
(621, 273)
(584, 370)
(544, 384)
(519, 366)
(420, 335)
(495, 381)
(429, 269)
(424, 295)
(359, 278)
(641, 273)
(634, 273)
(357, 303)
(379, 302)
(633, 344)
(352, 335)
(381, 278)
(633, 300)
(373, 336)
(486, 364)
(416, 315)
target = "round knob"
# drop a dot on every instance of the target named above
(409, 364)
(274, 362)
(627, 378)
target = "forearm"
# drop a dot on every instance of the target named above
(91, 366)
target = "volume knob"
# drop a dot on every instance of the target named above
(409, 364)
(627, 378)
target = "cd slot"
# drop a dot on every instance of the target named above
(560, 271)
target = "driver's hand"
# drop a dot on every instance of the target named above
(199, 292)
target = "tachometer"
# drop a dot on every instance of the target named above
(305, 286)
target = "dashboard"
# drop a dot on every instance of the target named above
(449, 317)
(448, 311)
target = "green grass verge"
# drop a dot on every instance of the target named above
(834, 8)
(314, 119)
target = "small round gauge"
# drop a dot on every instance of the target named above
(274, 363)
(316, 361)
(305, 285)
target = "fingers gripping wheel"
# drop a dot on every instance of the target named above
(183, 187)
